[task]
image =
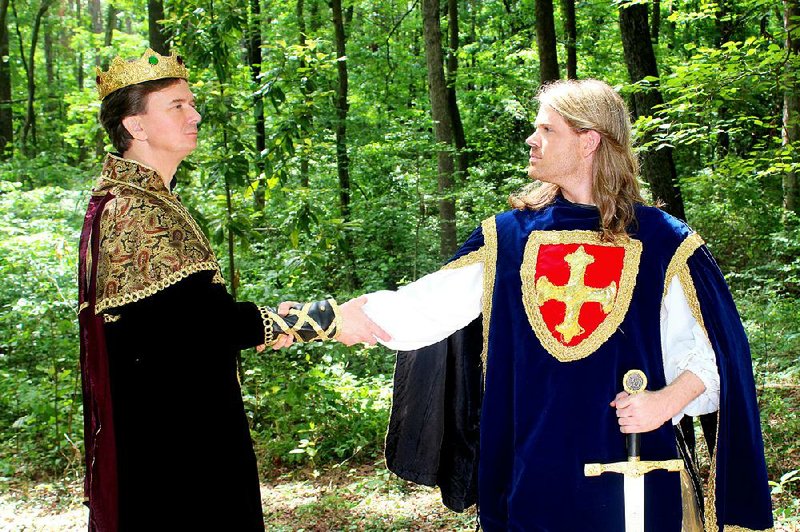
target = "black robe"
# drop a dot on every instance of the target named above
(167, 440)
(185, 459)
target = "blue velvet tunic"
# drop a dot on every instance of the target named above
(542, 419)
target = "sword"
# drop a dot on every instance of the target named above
(634, 469)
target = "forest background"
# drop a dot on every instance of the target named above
(348, 146)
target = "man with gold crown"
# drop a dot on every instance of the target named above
(166, 438)
(521, 380)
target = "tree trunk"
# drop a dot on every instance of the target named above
(443, 128)
(306, 118)
(30, 117)
(546, 41)
(342, 158)
(254, 58)
(791, 103)
(655, 26)
(568, 8)
(314, 18)
(462, 155)
(6, 110)
(79, 65)
(658, 166)
(111, 22)
(725, 31)
(96, 16)
(158, 40)
(49, 59)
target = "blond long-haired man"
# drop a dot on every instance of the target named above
(544, 318)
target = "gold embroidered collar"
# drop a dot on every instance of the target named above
(117, 171)
(148, 240)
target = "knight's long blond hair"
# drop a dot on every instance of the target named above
(592, 104)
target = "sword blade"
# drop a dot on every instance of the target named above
(634, 503)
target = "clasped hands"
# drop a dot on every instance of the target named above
(356, 327)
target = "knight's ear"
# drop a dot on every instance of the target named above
(591, 141)
(134, 127)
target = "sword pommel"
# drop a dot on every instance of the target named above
(634, 381)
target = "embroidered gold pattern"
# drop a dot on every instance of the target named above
(711, 488)
(148, 240)
(269, 334)
(679, 266)
(473, 257)
(489, 227)
(487, 254)
(111, 318)
(88, 265)
(534, 294)
(711, 498)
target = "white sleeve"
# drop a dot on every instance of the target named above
(685, 346)
(430, 309)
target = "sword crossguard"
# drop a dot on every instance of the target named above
(632, 469)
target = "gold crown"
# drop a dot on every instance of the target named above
(149, 67)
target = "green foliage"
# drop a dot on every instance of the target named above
(40, 415)
(318, 404)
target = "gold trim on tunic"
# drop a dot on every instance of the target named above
(737, 528)
(679, 266)
(489, 227)
(615, 300)
(486, 254)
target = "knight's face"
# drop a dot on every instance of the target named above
(555, 153)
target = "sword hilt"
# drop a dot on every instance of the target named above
(634, 381)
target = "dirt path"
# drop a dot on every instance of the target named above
(361, 499)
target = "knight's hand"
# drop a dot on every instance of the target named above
(641, 412)
(356, 325)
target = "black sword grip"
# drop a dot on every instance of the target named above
(633, 444)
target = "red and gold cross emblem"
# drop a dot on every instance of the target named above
(576, 289)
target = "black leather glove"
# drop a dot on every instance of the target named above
(307, 322)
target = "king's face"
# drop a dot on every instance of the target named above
(170, 120)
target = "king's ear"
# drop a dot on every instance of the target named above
(134, 127)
